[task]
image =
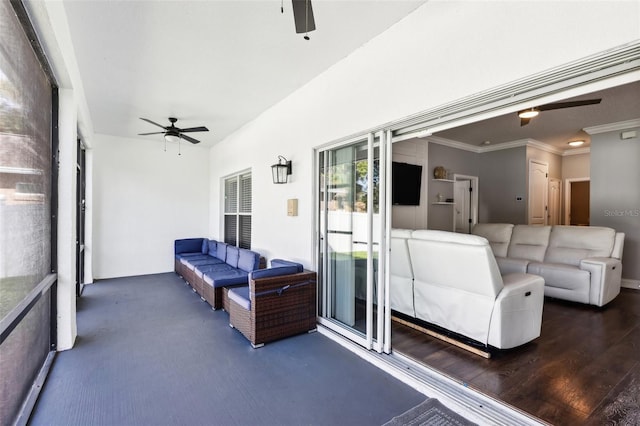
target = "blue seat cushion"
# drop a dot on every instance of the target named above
(281, 262)
(200, 270)
(240, 295)
(273, 272)
(193, 263)
(224, 278)
(248, 260)
(187, 255)
(185, 260)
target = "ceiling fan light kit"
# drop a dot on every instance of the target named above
(169, 137)
(528, 113)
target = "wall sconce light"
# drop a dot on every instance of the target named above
(281, 171)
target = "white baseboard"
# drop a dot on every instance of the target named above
(634, 284)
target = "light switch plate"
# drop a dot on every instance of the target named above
(292, 207)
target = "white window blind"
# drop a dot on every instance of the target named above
(237, 210)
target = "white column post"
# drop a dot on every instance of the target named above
(67, 131)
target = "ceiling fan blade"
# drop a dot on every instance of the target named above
(152, 133)
(571, 104)
(524, 121)
(303, 16)
(194, 129)
(152, 122)
(189, 138)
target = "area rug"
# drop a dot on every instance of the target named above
(625, 410)
(429, 413)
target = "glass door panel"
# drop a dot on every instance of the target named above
(350, 231)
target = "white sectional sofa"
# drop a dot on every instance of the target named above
(453, 281)
(578, 263)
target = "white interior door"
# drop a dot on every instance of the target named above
(462, 207)
(538, 187)
(554, 201)
(465, 208)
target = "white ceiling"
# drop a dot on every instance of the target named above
(213, 63)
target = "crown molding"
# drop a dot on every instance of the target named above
(611, 127)
(577, 151)
(454, 144)
(544, 147)
(532, 143)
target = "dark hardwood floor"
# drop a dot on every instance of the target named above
(583, 369)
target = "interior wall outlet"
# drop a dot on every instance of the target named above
(519, 198)
(292, 207)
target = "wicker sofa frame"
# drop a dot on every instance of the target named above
(281, 306)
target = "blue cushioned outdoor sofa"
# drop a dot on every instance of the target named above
(263, 304)
(278, 302)
(210, 265)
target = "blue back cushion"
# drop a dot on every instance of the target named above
(187, 245)
(205, 246)
(248, 260)
(213, 248)
(233, 254)
(273, 272)
(281, 262)
(221, 251)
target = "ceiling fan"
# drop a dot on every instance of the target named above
(173, 133)
(527, 114)
(303, 16)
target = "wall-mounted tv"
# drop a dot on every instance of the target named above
(406, 180)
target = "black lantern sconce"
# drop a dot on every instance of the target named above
(281, 171)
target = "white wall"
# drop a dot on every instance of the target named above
(144, 199)
(442, 52)
(413, 151)
(576, 166)
(615, 196)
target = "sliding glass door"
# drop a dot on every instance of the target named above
(351, 235)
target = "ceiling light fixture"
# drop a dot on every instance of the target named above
(576, 143)
(171, 137)
(528, 113)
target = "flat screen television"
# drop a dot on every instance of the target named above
(406, 180)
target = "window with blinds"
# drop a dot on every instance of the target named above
(237, 210)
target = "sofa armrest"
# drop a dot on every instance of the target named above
(606, 275)
(290, 296)
(508, 265)
(517, 312)
(618, 246)
(516, 284)
(280, 283)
